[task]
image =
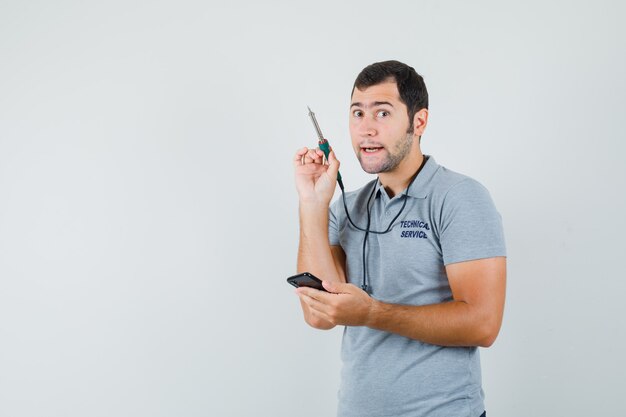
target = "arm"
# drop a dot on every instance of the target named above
(315, 182)
(473, 318)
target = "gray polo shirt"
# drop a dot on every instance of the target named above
(448, 218)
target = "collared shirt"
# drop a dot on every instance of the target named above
(448, 218)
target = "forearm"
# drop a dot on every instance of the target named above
(314, 253)
(316, 183)
(454, 323)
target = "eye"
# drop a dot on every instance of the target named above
(382, 113)
(357, 113)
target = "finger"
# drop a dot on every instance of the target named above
(333, 163)
(308, 291)
(337, 287)
(297, 159)
(314, 304)
(321, 296)
(314, 156)
(317, 313)
(315, 170)
(321, 315)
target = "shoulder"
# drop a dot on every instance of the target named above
(449, 185)
(467, 222)
(458, 197)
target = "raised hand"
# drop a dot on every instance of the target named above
(315, 179)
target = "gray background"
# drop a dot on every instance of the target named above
(148, 216)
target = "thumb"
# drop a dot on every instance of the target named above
(333, 164)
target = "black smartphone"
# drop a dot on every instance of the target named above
(306, 279)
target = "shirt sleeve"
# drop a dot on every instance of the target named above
(471, 227)
(333, 224)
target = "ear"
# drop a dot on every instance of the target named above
(420, 120)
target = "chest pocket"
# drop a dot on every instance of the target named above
(406, 264)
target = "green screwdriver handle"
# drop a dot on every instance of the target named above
(325, 147)
(323, 143)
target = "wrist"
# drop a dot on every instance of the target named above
(313, 206)
(373, 313)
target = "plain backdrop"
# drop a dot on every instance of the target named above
(148, 215)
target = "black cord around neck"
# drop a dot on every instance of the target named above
(364, 285)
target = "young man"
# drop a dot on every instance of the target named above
(417, 271)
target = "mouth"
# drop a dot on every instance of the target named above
(370, 150)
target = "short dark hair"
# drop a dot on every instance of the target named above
(410, 84)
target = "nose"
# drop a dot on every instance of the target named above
(367, 127)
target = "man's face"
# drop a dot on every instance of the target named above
(378, 127)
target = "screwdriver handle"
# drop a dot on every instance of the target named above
(323, 143)
(325, 147)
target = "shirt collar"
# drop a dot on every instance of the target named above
(419, 187)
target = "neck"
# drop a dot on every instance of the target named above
(399, 179)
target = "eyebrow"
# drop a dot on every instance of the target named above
(374, 104)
